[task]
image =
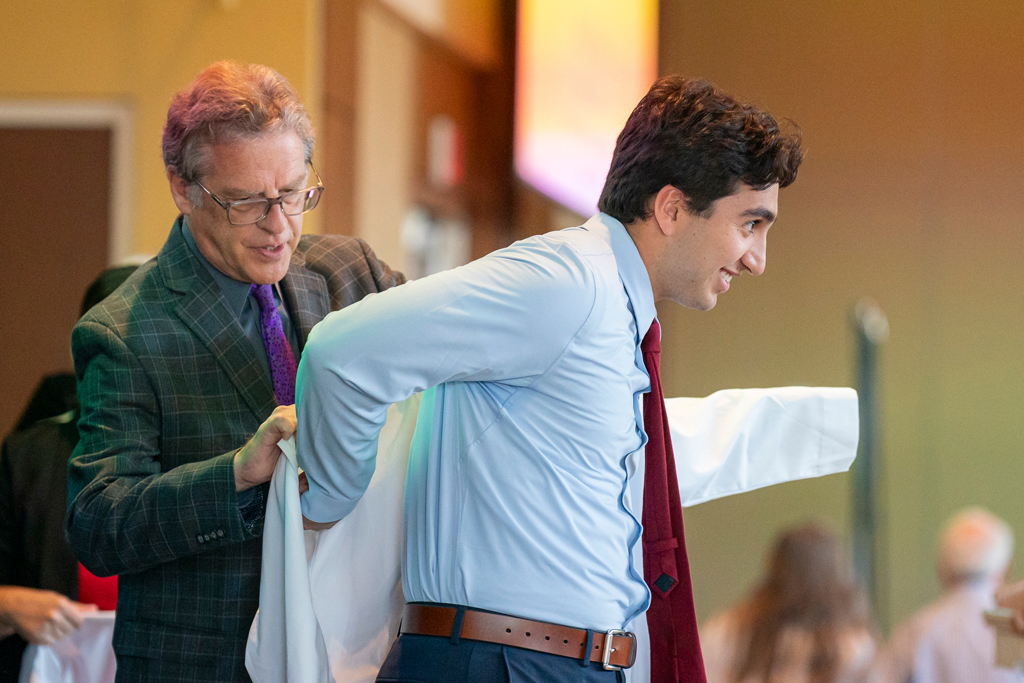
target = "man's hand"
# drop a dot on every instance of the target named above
(1011, 596)
(40, 617)
(256, 460)
(310, 525)
(307, 523)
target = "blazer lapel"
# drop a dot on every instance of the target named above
(203, 310)
(306, 296)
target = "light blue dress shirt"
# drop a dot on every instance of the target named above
(521, 494)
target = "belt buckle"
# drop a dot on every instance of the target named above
(606, 651)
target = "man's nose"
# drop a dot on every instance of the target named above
(756, 257)
(275, 221)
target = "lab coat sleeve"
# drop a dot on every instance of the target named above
(739, 440)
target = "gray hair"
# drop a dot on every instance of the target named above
(975, 545)
(228, 102)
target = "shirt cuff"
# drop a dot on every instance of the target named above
(252, 506)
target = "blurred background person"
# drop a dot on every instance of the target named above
(54, 395)
(949, 641)
(807, 622)
(39, 577)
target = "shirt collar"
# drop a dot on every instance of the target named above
(632, 271)
(983, 589)
(235, 293)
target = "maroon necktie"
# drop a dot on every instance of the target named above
(279, 351)
(671, 619)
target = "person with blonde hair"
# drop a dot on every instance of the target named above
(949, 641)
(807, 621)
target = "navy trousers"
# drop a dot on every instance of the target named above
(429, 659)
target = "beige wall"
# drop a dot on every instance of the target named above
(471, 28)
(385, 118)
(140, 54)
(413, 60)
(912, 192)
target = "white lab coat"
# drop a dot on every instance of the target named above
(330, 602)
(83, 656)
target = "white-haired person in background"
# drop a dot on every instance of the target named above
(949, 641)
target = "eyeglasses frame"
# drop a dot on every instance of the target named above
(270, 202)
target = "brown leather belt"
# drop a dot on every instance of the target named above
(614, 649)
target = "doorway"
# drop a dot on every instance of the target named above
(58, 190)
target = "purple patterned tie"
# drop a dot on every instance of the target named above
(279, 351)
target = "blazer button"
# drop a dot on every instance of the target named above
(220, 533)
(206, 537)
(199, 538)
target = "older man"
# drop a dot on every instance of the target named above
(949, 641)
(186, 376)
(532, 452)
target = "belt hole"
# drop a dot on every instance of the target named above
(508, 630)
(566, 642)
(527, 634)
(547, 637)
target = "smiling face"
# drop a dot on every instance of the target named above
(704, 253)
(267, 166)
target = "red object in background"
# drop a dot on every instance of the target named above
(94, 590)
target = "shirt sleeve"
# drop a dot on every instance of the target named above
(504, 318)
(252, 506)
(744, 439)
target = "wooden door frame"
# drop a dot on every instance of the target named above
(86, 114)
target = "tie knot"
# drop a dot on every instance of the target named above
(264, 296)
(652, 340)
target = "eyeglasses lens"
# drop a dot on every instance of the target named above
(292, 203)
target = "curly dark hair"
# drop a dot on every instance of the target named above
(689, 134)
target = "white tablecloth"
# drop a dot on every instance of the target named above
(82, 656)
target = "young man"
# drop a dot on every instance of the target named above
(186, 377)
(528, 476)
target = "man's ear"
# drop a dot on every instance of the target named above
(179, 191)
(670, 208)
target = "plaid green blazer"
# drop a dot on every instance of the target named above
(170, 388)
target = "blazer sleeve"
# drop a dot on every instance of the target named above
(124, 514)
(383, 276)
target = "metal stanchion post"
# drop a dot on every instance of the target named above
(872, 329)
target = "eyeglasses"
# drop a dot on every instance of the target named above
(248, 211)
